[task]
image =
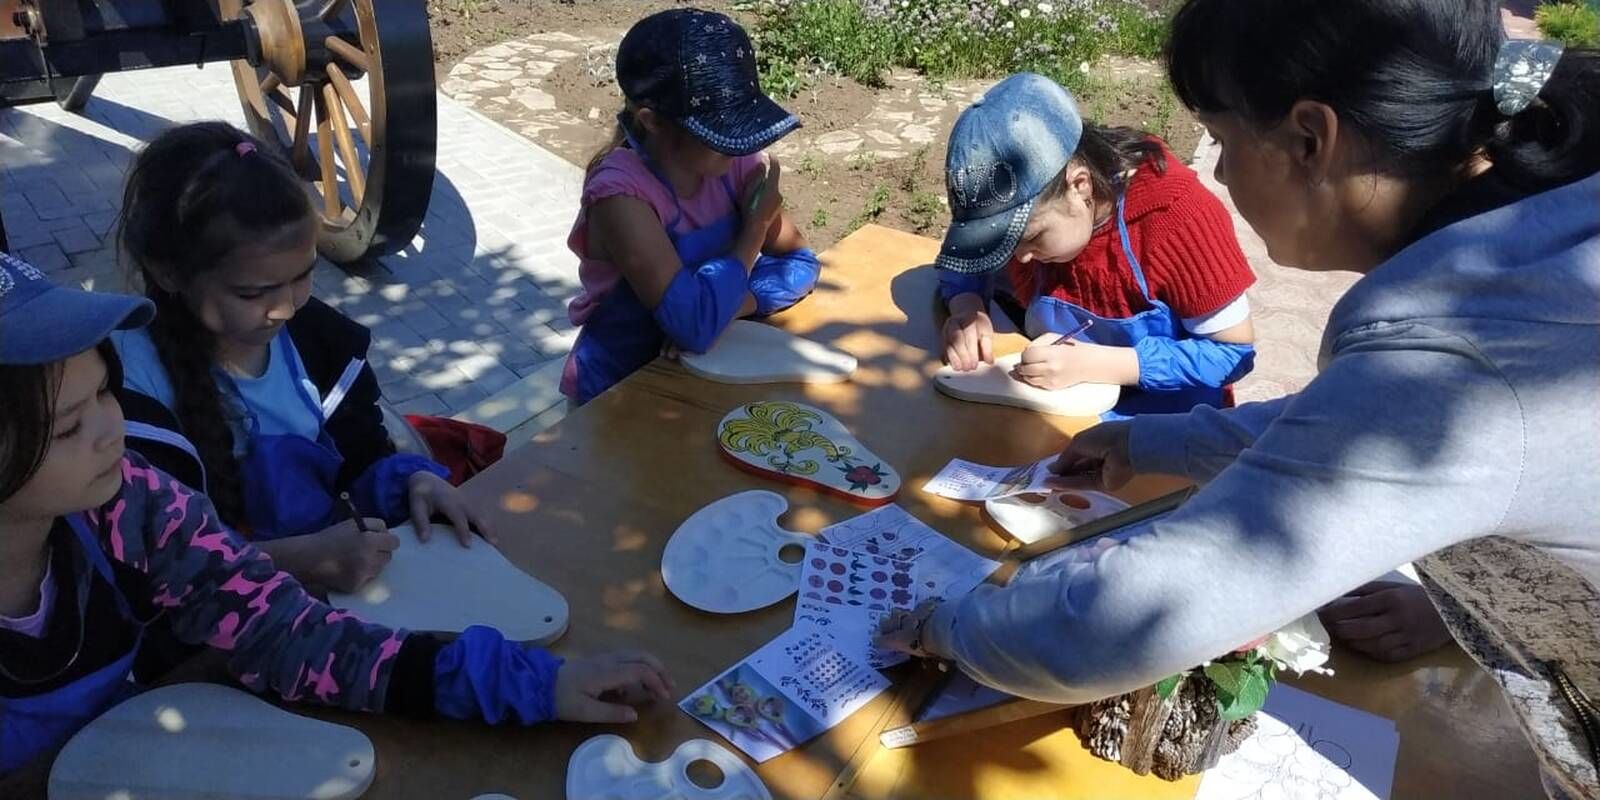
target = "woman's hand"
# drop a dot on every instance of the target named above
(901, 631)
(606, 688)
(1095, 459)
(430, 494)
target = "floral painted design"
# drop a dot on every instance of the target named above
(781, 432)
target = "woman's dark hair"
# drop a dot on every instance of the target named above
(28, 395)
(1108, 154)
(193, 196)
(1412, 76)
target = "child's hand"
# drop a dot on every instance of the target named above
(763, 211)
(344, 558)
(604, 688)
(431, 494)
(1057, 366)
(1095, 459)
(968, 340)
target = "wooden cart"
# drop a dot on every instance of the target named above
(346, 87)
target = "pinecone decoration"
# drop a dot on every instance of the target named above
(1183, 741)
(1238, 731)
(1104, 726)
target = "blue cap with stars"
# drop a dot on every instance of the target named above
(1005, 149)
(699, 69)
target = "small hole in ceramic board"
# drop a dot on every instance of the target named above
(791, 553)
(549, 619)
(1031, 499)
(1075, 501)
(355, 762)
(704, 774)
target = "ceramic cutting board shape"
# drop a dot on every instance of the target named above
(992, 383)
(754, 352)
(799, 444)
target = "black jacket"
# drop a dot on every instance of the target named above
(330, 345)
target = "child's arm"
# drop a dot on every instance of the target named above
(786, 271)
(224, 593)
(693, 303)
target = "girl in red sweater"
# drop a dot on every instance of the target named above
(1085, 224)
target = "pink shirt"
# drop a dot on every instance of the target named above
(622, 172)
(33, 624)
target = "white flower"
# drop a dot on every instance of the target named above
(1025, 13)
(1005, 3)
(1083, 67)
(1010, 24)
(1301, 645)
(1046, 8)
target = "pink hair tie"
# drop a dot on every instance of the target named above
(244, 148)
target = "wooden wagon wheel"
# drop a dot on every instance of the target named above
(347, 88)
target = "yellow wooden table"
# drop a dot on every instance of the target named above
(590, 505)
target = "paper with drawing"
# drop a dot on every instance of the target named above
(964, 480)
(1308, 748)
(784, 694)
(945, 569)
(847, 592)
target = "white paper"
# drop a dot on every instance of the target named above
(1308, 748)
(846, 593)
(964, 480)
(961, 695)
(945, 569)
(785, 693)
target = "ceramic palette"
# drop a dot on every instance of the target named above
(799, 444)
(727, 558)
(992, 383)
(439, 585)
(605, 768)
(199, 740)
(1031, 517)
(753, 352)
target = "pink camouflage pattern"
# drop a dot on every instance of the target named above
(222, 592)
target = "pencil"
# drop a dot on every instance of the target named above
(361, 524)
(1065, 337)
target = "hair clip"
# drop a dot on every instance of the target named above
(1521, 70)
(244, 148)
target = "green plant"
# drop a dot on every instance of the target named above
(810, 165)
(877, 203)
(1572, 23)
(911, 168)
(819, 218)
(925, 212)
(861, 161)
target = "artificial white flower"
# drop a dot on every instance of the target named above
(1302, 646)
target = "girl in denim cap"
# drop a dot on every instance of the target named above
(1090, 225)
(681, 227)
(96, 545)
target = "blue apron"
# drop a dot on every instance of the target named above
(1046, 314)
(622, 335)
(31, 726)
(289, 481)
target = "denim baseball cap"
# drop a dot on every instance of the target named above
(41, 322)
(699, 68)
(1004, 150)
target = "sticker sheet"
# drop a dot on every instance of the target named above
(785, 693)
(945, 569)
(964, 480)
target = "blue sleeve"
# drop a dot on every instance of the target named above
(481, 676)
(953, 283)
(781, 281)
(1168, 364)
(383, 489)
(701, 301)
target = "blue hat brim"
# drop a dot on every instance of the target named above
(742, 129)
(59, 323)
(976, 246)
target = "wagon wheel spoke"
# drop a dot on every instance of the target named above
(354, 172)
(352, 102)
(349, 53)
(332, 205)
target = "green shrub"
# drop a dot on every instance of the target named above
(1573, 23)
(864, 39)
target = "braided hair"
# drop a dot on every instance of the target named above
(194, 195)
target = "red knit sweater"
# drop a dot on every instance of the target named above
(1182, 236)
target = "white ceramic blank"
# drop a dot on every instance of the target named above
(605, 768)
(725, 557)
(439, 585)
(1031, 517)
(992, 383)
(754, 352)
(197, 740)
(799, 444)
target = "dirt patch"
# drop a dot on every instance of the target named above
(863, 156)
